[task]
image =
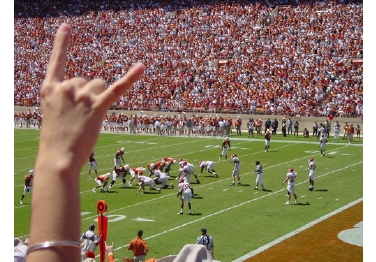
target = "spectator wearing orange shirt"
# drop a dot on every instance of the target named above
(139, 247)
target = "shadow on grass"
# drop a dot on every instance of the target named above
(303, 204)
(197, 196)
(321, 190)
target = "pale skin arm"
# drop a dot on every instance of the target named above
(73, 111)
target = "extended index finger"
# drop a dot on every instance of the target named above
(56, 65)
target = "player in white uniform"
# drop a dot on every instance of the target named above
(337, 130)
(185, 194)
(323, 142)
(312, 172)
(189, 168)
(236, 170)
(209, 166)
(260, 175)
(146, 181)
(290, 178)
(162, 178)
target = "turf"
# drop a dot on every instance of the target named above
(239, 218)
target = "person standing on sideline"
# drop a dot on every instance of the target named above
(119, 156)
(236, 170)
(337, 131)
(139, 247)
(185, 193)
(357, 130)
(260, 175)
(267, 140)
(268, 123)
(284, 127)
(322, 145)
(92, 163)
(238, 126)
(312, 172)
(225, 146)
(189, 126)
(207, 241)
(290, 179)
(250, 127)
(345, 126)
(296, 128)
(28, 184)
(89, 241)
(315, 129)
(289, 126)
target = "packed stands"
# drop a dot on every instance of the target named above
(267, 57)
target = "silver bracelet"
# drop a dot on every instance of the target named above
(54, 244)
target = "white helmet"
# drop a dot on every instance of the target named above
(126, 167)
(174, 162)
(122, 149)
(226, 138)
(143, 170)
(108, 175)
(31, 172)
(167, 163)
(157, 172)
(151, 166)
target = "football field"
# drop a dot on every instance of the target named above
(239, 218)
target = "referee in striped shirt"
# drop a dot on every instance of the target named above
(207, 241)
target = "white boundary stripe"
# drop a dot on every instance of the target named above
(279, 240)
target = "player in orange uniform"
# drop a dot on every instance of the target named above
(225, 146)
(169, 162)
(28, 184)
(119, 156)
(135, 172)
(101, 182)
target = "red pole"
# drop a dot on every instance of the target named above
(102, 226)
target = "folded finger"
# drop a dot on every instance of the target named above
(56, 65)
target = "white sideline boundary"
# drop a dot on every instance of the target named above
(279, 240)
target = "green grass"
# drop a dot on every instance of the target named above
(239, 218)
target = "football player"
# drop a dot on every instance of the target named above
(119, 156)
(236, 170)
(28, 184)
(226, 145)
(312, 172)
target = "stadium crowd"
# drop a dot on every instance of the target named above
(203, 56)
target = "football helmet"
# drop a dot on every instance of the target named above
(291, 169)
(310, 159)
(199, 163)
(126, 167)
(180, 159)
(151, 166)
(31, 172)
(108, 175)
(233, 155)
(226, 138)
(143, 170)
(174, 162)
(122, 149)
(167, 164)
(257, 162)
(181, 180)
